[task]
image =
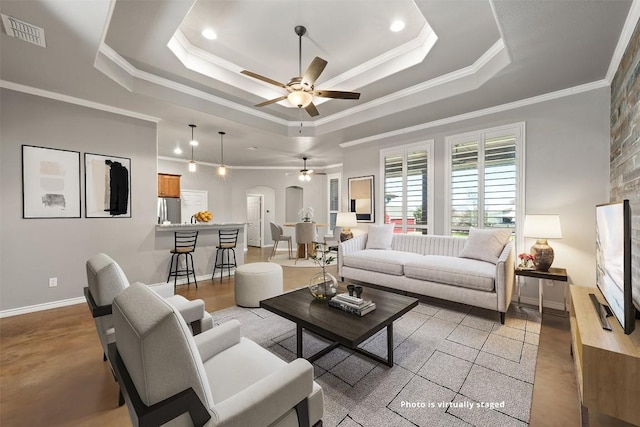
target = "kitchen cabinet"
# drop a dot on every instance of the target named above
(168, 185)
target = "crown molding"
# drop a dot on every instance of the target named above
(480, 113)
(633, 17)
(77, 101)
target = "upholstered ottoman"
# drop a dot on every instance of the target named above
(257, 281)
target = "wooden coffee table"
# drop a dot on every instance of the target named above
(338, 326)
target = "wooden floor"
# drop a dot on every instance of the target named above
(52, 373)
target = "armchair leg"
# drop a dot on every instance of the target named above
(302, 409)
(104, 357)
(120, 398)
(502, 315)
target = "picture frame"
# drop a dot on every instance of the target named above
(362, 198)
(107, 186)
(50, 182)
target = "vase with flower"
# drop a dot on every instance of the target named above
(526, 261)
(305, 214)
(323, 285)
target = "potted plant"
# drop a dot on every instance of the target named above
(323, 286)
(305, 214)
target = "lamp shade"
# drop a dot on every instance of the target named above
(300, 98)
(346, 219)
(542, 226)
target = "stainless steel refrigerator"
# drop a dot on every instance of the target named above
(169, 210)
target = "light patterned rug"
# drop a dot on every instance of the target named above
(283, 259)
(455, 365)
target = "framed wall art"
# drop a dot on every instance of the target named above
(50, 183)
(361, 198)
(107, 186)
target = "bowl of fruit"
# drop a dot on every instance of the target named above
(203, 216)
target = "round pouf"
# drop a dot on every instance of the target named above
(257, 281)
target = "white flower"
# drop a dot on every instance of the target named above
(305, 213)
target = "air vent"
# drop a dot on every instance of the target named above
(23, 31)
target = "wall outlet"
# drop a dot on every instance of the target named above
(53, 282)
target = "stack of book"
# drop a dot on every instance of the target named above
(353, 305)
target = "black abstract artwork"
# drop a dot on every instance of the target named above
(107, 186)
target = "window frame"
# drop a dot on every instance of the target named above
(403, 150)
(330, 177)
(516, 130)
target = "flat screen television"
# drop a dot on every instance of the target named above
(613, 260)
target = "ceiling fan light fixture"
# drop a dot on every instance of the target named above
(300, 98)
(304, 176)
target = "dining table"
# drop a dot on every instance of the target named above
(308, 249)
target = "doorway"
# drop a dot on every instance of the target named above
(254, 220)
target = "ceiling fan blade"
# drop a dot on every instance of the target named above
(263, 78)
(313, 71)
(336, 94)
(271, 101)
(311, 109)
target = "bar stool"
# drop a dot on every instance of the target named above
(227, 240)
(184, 244)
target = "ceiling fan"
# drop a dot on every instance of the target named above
(305, 174)
(300, 89)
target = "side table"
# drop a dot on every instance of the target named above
(557, 274)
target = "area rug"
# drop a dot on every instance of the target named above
(284, 260)
(454, 366)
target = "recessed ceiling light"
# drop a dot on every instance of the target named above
(177, 150)
(209, 34)
(397, 26)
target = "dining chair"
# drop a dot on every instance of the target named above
(277, 234)
(305, 235)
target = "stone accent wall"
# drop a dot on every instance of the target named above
(625, 142)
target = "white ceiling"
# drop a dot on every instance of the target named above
(453, 57)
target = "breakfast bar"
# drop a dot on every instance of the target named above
(204, 255)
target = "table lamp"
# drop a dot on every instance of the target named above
(542, 227)
(346, 220)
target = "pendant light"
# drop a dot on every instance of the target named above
(192, 163)
(222, 170)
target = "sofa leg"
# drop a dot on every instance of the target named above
(502, 315)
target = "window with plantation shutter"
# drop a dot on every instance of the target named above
(334, 198)
(484, 187)
(407, 187)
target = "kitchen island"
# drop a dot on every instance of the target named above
(203, 257)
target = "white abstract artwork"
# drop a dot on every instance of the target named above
(50, 183)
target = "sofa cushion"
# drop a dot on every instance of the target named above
(485, 244)
(380, 236)
(467, 273)
(380, 261)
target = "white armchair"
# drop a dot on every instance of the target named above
(217, 378)
(106, 280)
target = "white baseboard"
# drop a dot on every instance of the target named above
(80, 300)
(41, 307)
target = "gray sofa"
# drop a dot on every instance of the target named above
(432, 266)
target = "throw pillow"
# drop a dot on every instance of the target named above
(485, 244)
(380, 236)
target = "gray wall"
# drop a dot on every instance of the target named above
(567, 167)
(567, 172)
(33, 250)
